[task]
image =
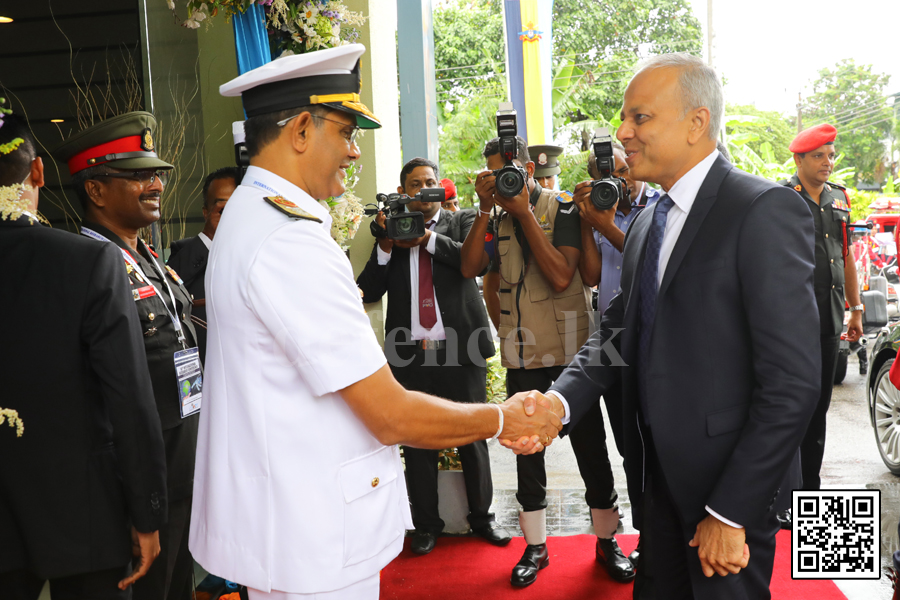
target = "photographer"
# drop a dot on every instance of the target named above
(539, 304)
(603, 231)
(437, 338)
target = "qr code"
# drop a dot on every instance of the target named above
(836, 534)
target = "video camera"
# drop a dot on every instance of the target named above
(511, 178)
(399, 224)
(608, 190)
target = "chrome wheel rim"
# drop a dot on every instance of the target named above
(887, 419)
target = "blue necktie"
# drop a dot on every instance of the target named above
(649, 290)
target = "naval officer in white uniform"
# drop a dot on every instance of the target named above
(299, 490)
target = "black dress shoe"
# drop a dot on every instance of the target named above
(785, 519)
(494, 533)
(423, 542)
(635, 554)
(609, 554)
(534, 559)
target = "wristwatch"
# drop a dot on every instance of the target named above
(858, 307)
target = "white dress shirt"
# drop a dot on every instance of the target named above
(205, 239)
(416, 330)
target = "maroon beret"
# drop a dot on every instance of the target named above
(812, 138)
(449, 188)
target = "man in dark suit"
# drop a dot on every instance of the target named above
(437, 339)
(714, 339)
(119, 180)
(188, 256)
(87, 477)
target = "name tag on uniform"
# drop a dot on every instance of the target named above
(144, 292)
(190, 380)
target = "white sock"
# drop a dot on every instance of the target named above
(534, 526)
(606, 521)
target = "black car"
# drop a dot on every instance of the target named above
(884, 398)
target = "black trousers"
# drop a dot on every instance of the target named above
(171, 575)
(669, 569)
(588, 442)
(464, 383)
(812, 448)
(97, 585)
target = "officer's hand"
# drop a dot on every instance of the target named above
(421, 241)
(484, 187)
(519, 433)
(601, 220)
(383, 242)
(145, 548)
(518, 206)
(854, 326)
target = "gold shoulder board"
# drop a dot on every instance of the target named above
(291, 209)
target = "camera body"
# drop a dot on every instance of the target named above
(399, 224)
(511, 178)
(608, 190)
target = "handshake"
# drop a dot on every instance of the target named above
(531, 421)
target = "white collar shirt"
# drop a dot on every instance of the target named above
(683, 194)
(205, 239)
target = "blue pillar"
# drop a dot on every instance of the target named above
(418, 104)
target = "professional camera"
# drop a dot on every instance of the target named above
(399, 224)
(608, 190)
(511, 178)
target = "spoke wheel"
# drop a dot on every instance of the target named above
(886, 419)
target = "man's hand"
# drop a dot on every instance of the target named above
(421, 241)
(721, 547)
(530, 403)
(519, 206)
(601, 220)
(145, 548)
(385, 243)
(535, 427)
(854, 326)
(484, 187)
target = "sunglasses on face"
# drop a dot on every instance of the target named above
(146, 178)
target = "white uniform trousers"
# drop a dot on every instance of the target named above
(367, 589)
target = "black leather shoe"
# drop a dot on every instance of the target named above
(635, 554)
(494, 533)
(609, 554)
(423, 542)
(534, 559)
(785, 519)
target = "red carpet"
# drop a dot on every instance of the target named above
(465, 568)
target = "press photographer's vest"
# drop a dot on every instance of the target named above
(538, 326)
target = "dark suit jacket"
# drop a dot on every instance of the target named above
(188, 257)
(462, 309)
(734, 362)
(91, 460)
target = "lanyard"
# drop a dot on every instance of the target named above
(134, 264)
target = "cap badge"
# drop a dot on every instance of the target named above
(147, 140)
(542, 159)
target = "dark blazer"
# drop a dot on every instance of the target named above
(91, 460)
(462, 309)
(734, 362)
(188, 257)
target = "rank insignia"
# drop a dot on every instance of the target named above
(544, 223)
(565, 197)
(291, 209)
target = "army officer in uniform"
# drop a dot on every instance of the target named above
(835, 274)
(119, 180)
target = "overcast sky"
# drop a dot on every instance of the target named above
(769, 50)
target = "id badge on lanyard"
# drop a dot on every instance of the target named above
(188, 371)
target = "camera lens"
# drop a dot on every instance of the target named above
(604, 195)
(405, 225)
(509, 182)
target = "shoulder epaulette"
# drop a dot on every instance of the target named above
(785, 182)
(836, 185)
(564, 197)
(291, 209)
